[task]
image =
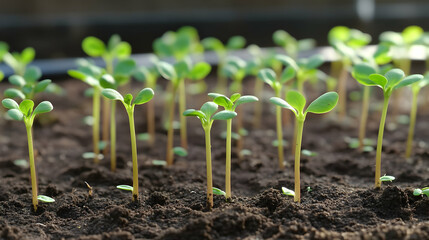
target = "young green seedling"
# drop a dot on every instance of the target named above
(116, 49)
(415, 88)
(28, 85)
(346, 42)
(230, 104)
(288, 192)
(418, 191)
(292, 46)
(221, 50)
(142, 97)
(253, 67)
(25, 112)
(207, 115)
(177, 74)
(270, 77)
(392, 80)
(387, 178)
(90, 74)
(15, 60)
(296, 102)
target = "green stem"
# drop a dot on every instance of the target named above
(413, 115)
(130, 111)
(113, 136)
(151, 114)
(96, 123)
(279, 134)
(209, 169)
(364, 116)
(105, 123)
(228, 159)
(342, 90)
(300, 126)
(28, 125)
(182, 108)
(259, 86)
(380, 142)
(170, 133)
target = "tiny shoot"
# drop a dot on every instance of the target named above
(419, 192)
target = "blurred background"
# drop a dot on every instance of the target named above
(56, 28)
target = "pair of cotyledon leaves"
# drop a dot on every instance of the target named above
(296, 102)
(366, 75)
(115, 48)
(207, 114)
(183, 69)
(27, 84)
(142, 97)
(25, 109)
(214, 44)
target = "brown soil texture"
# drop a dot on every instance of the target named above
(342, 203)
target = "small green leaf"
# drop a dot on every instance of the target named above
(195, 113)
(236, 42)
(107, 81)
(361, 73)
(409, 80)
(309, 153)
(13, 93)
(287, 61)
(76, 74)
(288, 74)
(393, 77)
(17, 80)
(27, 55)
(159, 162)
(42, 85)
(245, 99)
(179, 151)
(412, 34)
(378, 79)
(124, 67)
(282, 103)
(10, 103)
(208, 109)
(91, 155)
(387, 178)
(45, 199)
(217, 191)
(32, 74)
(15, 114)
(26, 107)
(338, 33)
(324, 103)
(183, 67)
(23, 163)
(417, 192)
(315, 61)
(167, 71)
(224, 115)
(112, 94)
(43, 107)
(224, 102)
(144, 96)
(122, 50)
(235, 96)
(128, 98)
(296, 100)
(93, 46)
(281, 38)
(199, 71)
(213, 44)
(125, 187)
(267, 75)
(215, 95)
(288, 192)
(143, 136)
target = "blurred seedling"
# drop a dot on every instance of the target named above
(419, 192)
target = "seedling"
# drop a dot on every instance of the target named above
(15, 60)
(90, 74)
(416, 87)
(270, 77)
(177, 74)
(217, 191)
(292, 46)
(221, 50)
(207, 115)
(116, 49)
(28, 85)
(288, 192)
(125, 187)
(230, 104)
(25, 112)
(346, 42)
(387, 178)
(418, 191)
(142, 97)
(391, 81)
(296, 102)
(90, 191)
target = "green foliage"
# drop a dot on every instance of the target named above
(24, 111)
(205, 114)
(116, 48)
(214, 44)
(288, 192)
(387, 178)
(17, 61)
(409, 36)
(28, 85)
(418, 191)
(45, 199)
(125, 187)
(179, 151)
(142, 97)
(234, 102)
(346, 41)
(217, 191)
(183, 70)
(291, 45)
(391, 81)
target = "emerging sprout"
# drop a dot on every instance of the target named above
(296, 102)
(26, 112)
(418, 191)
(387, 178)
(28, 85)
(125, 187)
(392, 80)
(142, 97)
(288, 192)
(45, 199)
(90, 191)
(217, 191)
(230, 104)
(207, 115)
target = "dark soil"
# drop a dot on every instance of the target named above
(342, 203)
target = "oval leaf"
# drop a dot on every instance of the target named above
(42, 85)
(17, 80)
(224, 115)
(267, 75)
(224, 102)
(124, 67)
(166, 70)
(282, 103)
(236, 42)
(93, 46)
(195, 113)
(15, 114)
(26, 107)
(122, 50)
(199, 71)
(378, 79)
(245, 99)
(27, 55)
(288, 192)
(217, 191)
(125, 187)
(43, 107)
(208, 109)
(393, 77)
(107, 81)
(296, 100)
(288, 74)
(409, 80)
(32, 74)
(144, 96)
(13, 93)
(361, 73)
(112, 94)
(324, 103)
(10, 103)
(45, 199)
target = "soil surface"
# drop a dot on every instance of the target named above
(338, 198)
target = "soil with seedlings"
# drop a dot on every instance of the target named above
(338, 197)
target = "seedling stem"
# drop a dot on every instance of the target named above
(380, 141)
(364, 116)
(96, 123)
(300, 126)
(209, 167)
(28, 125)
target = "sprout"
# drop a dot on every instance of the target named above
(15, 60)
(142, 97)
(387, 178)
(392, 80)
(90, 191)
(292, 46)
(418, 191)
(26, 112)
(288, 192)
(217, 191)
(28, 85)
(413, 114)
(296, 102)
(207, 115)
(177, 74)
(125, 188)
(230, 104)
(45, 199)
